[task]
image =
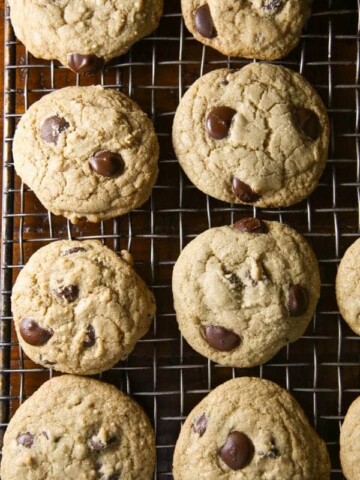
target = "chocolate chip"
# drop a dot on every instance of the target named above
(73, 250)
(309, 122)
(251, 225)
(114, 476)
(84, 63)
(52, 127)
(25, 439)
(107, 164)
(33, 334)
(90, 337)
(243, 191)
(200, 424)
(96, 445)
(69, 293)
(237, 451)
(273, 6)
(204, 23)
(298, 300)
(221, 339)
(218, 122)
(233, 279)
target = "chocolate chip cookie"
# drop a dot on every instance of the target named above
(242, 292)
(348, 287)
(76, 428)
(249, 429)
(80, 308)
(349, 442)
(83, 34)
(258, 135)
(88, 153)
(263, 29)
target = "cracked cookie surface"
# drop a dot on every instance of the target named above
(242, 292)
(262, 29)
(82, 34)
(80, 308)
(249, 429)
(88, 153)
(349, 442)
(257, 135)
(79, 429)
(348, 287)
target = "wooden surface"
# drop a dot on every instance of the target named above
(2, 8)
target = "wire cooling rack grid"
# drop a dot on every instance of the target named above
(163, 373)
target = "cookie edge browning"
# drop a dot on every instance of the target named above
(286, 198)
(143, 326)
(56, 383)
(226, 391)
(284, 48)
(222, 357)
(341, 291)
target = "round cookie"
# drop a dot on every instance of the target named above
(258, 135)
(242, 292)
(263, 29)
(349, 442)
(348, 287)
(78, 428)
(83, 34)
(80, 308)
(249, 429)
(87, 153)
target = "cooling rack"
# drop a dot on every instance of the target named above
(164, 374)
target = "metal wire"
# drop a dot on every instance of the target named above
(322, 369)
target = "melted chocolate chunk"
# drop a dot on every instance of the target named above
(33, 334)
(218, 122)
(308, 122)
(73, 250)
(298, 300)
(273, 6)
(25, 439)
(204, 23)
(221, 339)
(52, 127)
(69, 293)
(237, 451)
(251, 225)
(107, 164)
(200, 424)
(90, 337)
(84, 63)
(243, 191)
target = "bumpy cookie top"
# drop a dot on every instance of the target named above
(79, 308)
(87, 153)
(77, 428)
(263, 29)
(82, 34)
(249, 429)
(242, 292)
(257, 135)
(349, 442)
(348, 286)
